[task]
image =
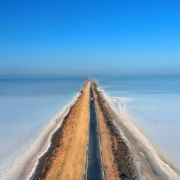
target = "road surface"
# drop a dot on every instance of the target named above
(94, 167)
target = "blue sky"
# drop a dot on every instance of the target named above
(89, 36)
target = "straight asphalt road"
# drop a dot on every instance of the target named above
(94, 166)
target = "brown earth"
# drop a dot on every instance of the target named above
(67, 158)
(110, 168)
(115, 153)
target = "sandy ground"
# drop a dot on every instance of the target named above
(70, 158)
(117, 158)
(110, 168)
(66, 159)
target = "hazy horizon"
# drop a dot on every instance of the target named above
(46, 72)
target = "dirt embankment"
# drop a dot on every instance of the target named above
(66, 158)
(115, 154)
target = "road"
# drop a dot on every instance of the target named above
(94, 167)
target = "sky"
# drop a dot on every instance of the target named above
(89, 36)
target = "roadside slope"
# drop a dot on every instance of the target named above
(115, 153)
(110, 167)
(68, 157)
